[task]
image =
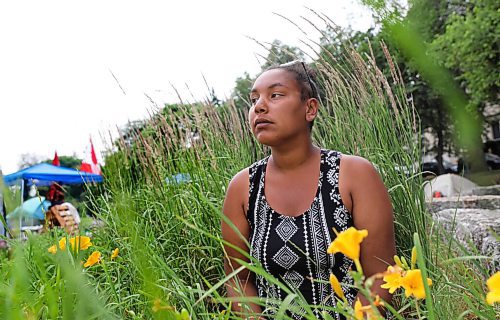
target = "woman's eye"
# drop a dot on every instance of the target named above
(253, 100)
(275, 95)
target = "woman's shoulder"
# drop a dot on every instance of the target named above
(240, 178)
(359, 170)
(348, 163)
(345, 157)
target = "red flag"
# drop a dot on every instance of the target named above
(90, 164)
(56, 162)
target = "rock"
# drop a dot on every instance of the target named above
(465, 202)
(490, 190)
(478, 225)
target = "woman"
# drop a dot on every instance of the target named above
(287, 205)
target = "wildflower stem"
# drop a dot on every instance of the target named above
(421, 264)
(111, 283)
(358, 266)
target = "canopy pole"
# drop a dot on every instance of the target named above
(21, 216)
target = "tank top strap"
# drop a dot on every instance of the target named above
(256, 175)
(332, 199)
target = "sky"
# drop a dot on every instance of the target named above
(74, 70)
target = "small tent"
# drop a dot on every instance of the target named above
(44, 174)
(448, 185)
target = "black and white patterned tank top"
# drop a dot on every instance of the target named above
(293, 249)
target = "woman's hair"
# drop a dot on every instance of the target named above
(305, 77)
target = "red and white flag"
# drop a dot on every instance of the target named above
(55, 161)
(90, 164)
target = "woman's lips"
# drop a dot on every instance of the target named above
(262, 122)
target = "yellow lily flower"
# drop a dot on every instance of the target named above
(334, 282)
(62, 243)
(414, 284)
(398, 262)
(158, 306)
(378, 302)
(413, 257)
(52, 249)
(348, 242)
(94, 258)
(114, 254)
(493, 283)
(392, 278)
(358, 310)
(80, 242)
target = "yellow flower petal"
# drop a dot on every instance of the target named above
(493, 283)
(413, 284)
(378, 302)
(413, 257)
(80, 242)
(115, 253)
(337, 288)
(493, 297)
(62, 243)
(398, 262)
(358, 310)
(52, 249)
(348, 242)
(94, 258)
(158, 306)
(392, 278)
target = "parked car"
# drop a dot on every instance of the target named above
(432, 167)
(492, 161)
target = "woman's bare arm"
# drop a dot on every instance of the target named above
(371, 208)
(234, 209)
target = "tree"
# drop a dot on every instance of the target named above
(28, 159)
(67, 161)
(241, 91)
(278, 53)
(443, 105)
(431, 110)
(469, 46)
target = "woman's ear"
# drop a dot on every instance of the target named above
(312, 106)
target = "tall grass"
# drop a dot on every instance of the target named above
(168, 231)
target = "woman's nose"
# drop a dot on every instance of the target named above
(260, 105)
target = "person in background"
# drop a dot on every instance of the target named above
(61, 213)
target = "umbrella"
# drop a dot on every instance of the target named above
(31, 208)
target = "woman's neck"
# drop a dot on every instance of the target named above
(292, 156)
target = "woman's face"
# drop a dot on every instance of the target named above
(278, 113)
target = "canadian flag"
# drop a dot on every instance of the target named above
(90, 164)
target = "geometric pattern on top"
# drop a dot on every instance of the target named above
(285, 257)
(286, 229)
(293, 278)
(305, 265)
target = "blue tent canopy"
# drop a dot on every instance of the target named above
(44, 174)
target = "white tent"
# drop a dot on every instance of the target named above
(448, 185)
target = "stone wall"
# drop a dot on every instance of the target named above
(473, 219)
